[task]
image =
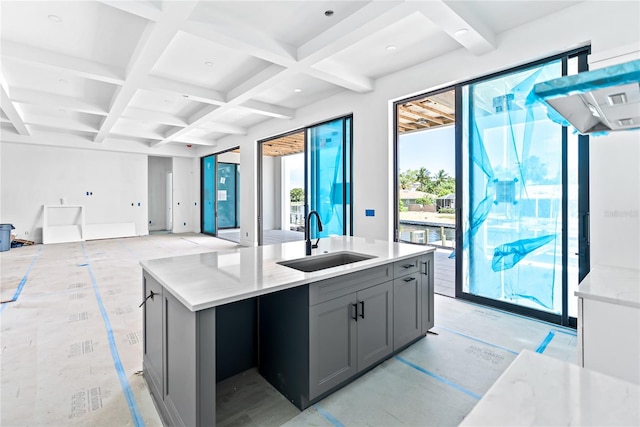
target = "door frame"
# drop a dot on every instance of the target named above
(583, 198)
(215, 180)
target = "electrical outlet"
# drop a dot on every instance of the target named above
(26, 233)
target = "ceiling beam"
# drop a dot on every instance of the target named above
(224, 128)
(11, 110)
(68, 64)
(269, 110)
(452, 16)
(155, 39)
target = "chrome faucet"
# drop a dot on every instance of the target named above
(307, 231)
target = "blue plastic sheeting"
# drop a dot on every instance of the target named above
(514, 191)
(227, 196)
(508, 255)
(329, 180)
(209, 194)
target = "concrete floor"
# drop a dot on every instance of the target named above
(72, 349)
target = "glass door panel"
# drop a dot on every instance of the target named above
(209, 195)
(512, 204)
(326, 177)
(226, 194)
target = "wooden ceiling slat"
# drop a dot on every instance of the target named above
(428, 113)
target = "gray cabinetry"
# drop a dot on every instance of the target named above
(426, 283)
(332, 343)
(407, 324)
(153, 333)
(374, 324)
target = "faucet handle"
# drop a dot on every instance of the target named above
(315, 245)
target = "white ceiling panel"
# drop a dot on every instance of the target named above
(502, 15)
(57, 82)
(86, 29)
(140, 129)
(284, 93)
(197, 61)
(170, 103)
(408, 42)
(290, 22)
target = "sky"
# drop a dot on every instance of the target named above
(433, 149)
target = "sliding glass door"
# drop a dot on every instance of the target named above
(329, 176)
(521, 191)
(227, 180)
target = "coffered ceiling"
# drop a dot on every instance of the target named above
(193, 72)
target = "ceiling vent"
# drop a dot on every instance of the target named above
(603, 100)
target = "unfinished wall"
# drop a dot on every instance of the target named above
(33, 176)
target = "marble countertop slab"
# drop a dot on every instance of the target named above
(210, 279)
(610, 284)
(538, 390)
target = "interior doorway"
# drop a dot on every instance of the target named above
(221, 196)
(160, 187)
(426, 179)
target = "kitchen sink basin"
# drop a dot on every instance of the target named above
(320, 262)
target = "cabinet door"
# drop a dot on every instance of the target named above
(332, 343)
(426, 272)
(152, 339)
(375, 324)
(407, 306)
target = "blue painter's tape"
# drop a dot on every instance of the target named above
(24, 279)
(478, 340)
(571, 332)
(124, 382)
(439, 378)
(328, 416)
(545, 342)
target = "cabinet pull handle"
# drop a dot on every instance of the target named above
(425, 268)
(408, 279)
(362, 306)
(408, 265)
(355, 316)
(151, 294)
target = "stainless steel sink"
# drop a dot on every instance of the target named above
(320, 262)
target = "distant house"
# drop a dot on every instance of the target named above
(409, 197)
(448, 201)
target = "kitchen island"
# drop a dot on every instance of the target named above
(210, 316)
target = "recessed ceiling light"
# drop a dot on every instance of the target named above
(185, 96)
(55, 18)
(328, 12)
(297, 90)
(208, 64)
(390, 47)
(461, 32)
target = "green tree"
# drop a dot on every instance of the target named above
(441, 177)
(296, 195)
(406, 179)
(425, 201)
(423, 176)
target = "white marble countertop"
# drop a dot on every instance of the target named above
(615, 285)
(538, 390)
(215, 278)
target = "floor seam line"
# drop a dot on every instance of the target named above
(124, 382)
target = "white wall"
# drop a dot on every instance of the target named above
(229, 157)
(159, 167)
(606, 25)
(271, 198)
(33, 176)
(186, 195)
(614, 184)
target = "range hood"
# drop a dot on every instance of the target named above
(599, 101)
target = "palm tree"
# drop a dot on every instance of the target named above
(423, 176)
(441, 177)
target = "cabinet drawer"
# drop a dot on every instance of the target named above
(329, 289)
(406, 266)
